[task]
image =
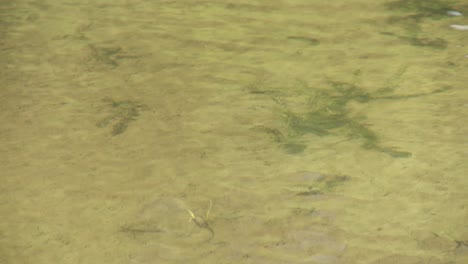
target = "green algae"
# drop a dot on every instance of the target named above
(121, 114)
(328, 114)
(409, 14)
(414, 40)
(307, 40)
(105, 55)
(433, 8)
(324, 185)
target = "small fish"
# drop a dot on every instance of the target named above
(459, 27)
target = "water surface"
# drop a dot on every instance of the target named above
(319, 132)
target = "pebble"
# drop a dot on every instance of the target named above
(459, 27)
(454, 13)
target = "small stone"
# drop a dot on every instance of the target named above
(459, 27)
(454, 13)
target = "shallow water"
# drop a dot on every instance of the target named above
(320, 132)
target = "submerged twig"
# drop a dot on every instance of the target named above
(202, 222)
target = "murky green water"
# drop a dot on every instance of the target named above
(233, 132)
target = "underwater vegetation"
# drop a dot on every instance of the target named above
(102, 56)
(121, 114)
(321, 185)
(409, 14)
(328, 114)
(306, 40)
(167, 217)
(436, 43)
(433, 8)
(105, 55)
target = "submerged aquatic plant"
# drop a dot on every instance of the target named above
(121, 114)
(328, 114)
(409, 14)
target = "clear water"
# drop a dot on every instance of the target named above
(233, 132)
